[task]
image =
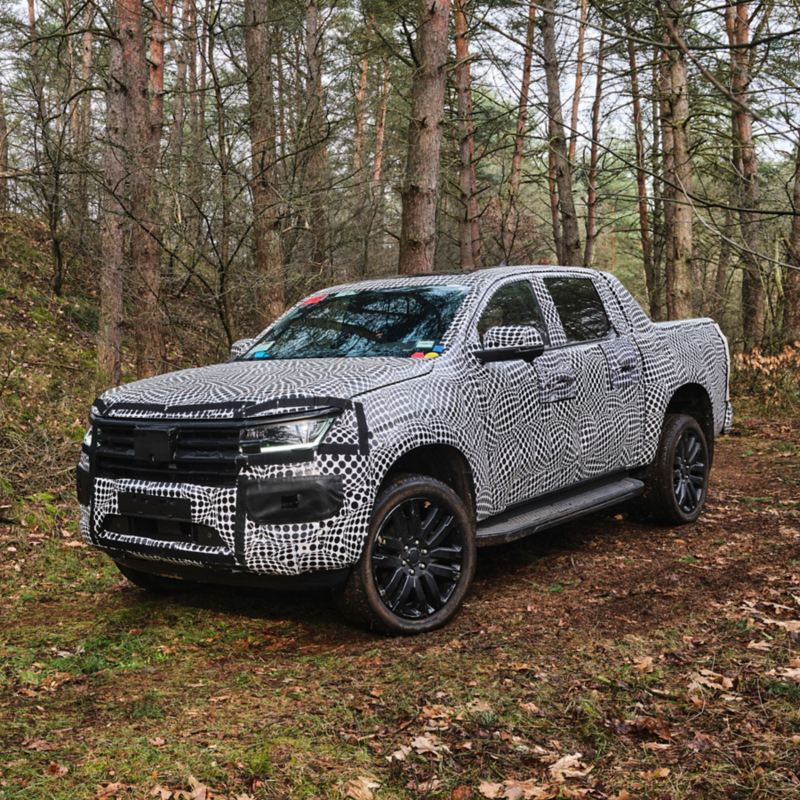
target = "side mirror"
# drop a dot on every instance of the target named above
(240, 347)
(509, 343)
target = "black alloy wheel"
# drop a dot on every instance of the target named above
(689, 469)
(418, 557)
(418, 560)
(677, 479)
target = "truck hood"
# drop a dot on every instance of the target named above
(243, 388)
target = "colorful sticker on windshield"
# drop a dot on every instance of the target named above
(314, 299)
(438, 348)
(425, 344)
(261, 354)
(418, 355)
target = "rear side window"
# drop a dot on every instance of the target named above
(513, 304)
(581, 310)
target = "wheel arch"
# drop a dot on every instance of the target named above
(693, 399)
(444, 462)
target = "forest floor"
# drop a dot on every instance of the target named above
(603, 659)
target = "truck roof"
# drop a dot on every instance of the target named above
(485, 275)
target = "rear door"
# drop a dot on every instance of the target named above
(591, 381)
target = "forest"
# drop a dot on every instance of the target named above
(198, 166)
(174, 174)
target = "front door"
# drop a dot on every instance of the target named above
(509, 396)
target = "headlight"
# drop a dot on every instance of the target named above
(300, 434)
(87, 438)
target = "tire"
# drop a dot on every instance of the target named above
(157, 584)
(400, 585)
(677, 480)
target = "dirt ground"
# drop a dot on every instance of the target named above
(604, 659)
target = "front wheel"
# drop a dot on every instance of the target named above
(678, 477)
(417, 562)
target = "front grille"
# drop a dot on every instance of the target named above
(201, 454)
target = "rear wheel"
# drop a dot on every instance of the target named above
(418, 561)
(678, 477)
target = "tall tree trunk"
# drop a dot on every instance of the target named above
(374, 249)
(317, 166)
(113, 223)
(657, 153)
(571, 243)
(361, 96)
(591, 194)
(223, 254)
(722, 272)
(737, 24)
(679, 271)
(469, 226)
(576, 95)
(421, 190)
(641, 182)
(791, 285)
(4, 165)
(552, 193)
(511, 220)
(84, 123)
(668, 182)
(143, 152)
(263, 184)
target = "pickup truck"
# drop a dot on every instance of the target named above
(378, 433)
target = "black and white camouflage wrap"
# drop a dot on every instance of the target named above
(525, 428)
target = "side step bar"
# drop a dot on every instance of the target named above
(552, 510)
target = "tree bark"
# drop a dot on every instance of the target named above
(361, 96)
(113, 223)
(143, 153)
(641, 184)
(263, 183)
(570, 238)
(511, 220)
(591, 194)
(421, 190)
(84, 122)
(791, 285)
(469, 225)
(317, 166)
(576, 95)
(4, 166)
(737, 24)
(675, 115)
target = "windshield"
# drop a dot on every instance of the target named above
(407, 321)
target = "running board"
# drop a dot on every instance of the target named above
(555, 509)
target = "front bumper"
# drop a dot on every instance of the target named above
(281, 519)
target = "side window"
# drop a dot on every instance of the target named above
(580, 308)
(513, 304)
